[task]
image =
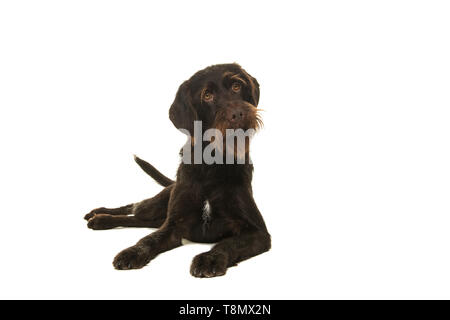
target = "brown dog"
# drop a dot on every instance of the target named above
(207, 202)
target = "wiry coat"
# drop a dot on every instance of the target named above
(207, 202)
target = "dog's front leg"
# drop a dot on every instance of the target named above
(147, 248)
(229, 252)
(181, 215)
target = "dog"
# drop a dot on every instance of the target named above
(208, 203)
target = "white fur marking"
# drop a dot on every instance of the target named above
(206, 216)
(206, 211)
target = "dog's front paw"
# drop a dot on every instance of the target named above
(209, 264)
(93, 213)
(134, 257)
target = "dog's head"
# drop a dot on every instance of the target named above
(222, 96)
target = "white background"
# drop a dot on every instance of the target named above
(352, 168)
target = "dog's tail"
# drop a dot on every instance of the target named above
(153, 172)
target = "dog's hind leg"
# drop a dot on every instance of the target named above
(123, 211)
(149, 213)
(106, 221)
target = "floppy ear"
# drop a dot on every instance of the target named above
(254, 88)
(182, 113)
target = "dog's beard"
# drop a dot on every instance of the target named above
(237, 144)
(253, 121)
(224, 142)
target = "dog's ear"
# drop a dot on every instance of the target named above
(254, 88)
(182, 113)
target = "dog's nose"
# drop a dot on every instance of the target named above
(236, 114)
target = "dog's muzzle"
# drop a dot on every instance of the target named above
(237, 115)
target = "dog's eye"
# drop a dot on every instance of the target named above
(208, 96)
(236, 87)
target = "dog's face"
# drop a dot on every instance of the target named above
(222, 96)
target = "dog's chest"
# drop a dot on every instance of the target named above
(206, 211)
(206, 215)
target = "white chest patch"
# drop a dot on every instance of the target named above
(206, 214)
